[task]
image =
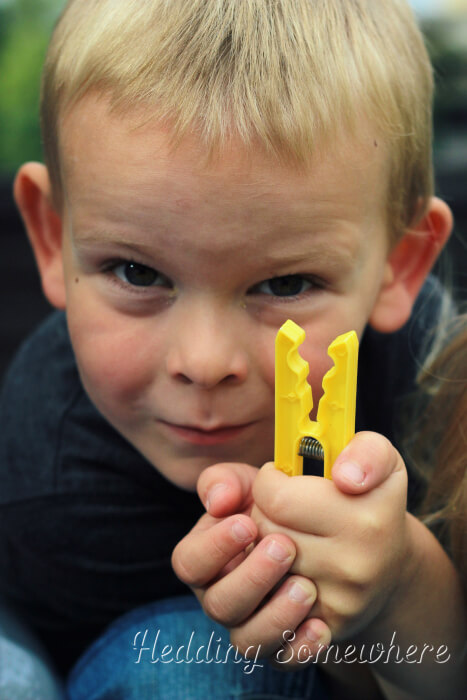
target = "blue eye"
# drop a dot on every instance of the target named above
(139, 275)
(286, 286)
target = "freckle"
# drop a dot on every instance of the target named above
(375, 144)
(76, 280)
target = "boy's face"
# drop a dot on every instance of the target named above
(178, 277)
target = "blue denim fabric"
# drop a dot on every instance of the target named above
(147, 655)
(25, 671)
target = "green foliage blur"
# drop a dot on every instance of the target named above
(447, 45)
(25, 27)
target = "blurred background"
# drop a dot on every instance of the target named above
(25, 26)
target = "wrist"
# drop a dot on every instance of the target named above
(405, 586)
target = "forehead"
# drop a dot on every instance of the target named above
(108, 158)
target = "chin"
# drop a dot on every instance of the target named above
(182, 475)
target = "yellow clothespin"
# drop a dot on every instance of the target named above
(296, 435)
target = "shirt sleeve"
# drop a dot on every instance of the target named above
(87, 525)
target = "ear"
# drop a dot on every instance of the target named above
(32, 193)
(408, 266)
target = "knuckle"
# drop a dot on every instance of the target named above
(238, 641)
(279, 503)
(216, 607)
(259, 579)
(183, 567)
(370, 526)
(339, 611)
(264, 526)
(221, 547)
(280, 620)
(357, 573)
(267, 499)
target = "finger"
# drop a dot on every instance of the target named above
(283, 612)
(203, 553)
(367, 461)
(320, 506)
(225, 489)
(303, 646)
(236, 596)
(300, 503)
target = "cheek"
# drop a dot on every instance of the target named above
(267, 364)
(115, 364)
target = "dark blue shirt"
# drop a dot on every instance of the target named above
(87, 525)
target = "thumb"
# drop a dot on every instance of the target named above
(368, 460)
(225, 489)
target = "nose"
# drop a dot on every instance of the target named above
(206, 349)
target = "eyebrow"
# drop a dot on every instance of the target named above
(333, 259)
(103, 237)
(97, 237)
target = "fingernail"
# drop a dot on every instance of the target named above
(320, 635)
(241, 532)
(277, 552)
(351, 471)
(299, 594)
(213, 494)
(311, 635)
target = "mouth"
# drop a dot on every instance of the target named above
(201, 436)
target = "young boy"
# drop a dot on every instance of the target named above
(212, 169)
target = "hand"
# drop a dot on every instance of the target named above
(242, 586)
(351, 534)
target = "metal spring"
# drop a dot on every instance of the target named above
(311, 448)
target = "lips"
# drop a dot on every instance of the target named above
(202, 436)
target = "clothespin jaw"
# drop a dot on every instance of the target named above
(335, 424)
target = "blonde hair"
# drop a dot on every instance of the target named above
(441, 449)
(284, 74)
